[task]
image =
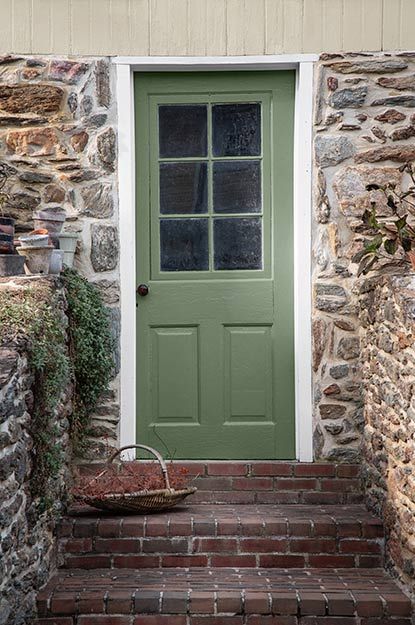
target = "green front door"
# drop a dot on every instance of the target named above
(215, 248)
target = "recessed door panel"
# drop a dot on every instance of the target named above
(215, 371)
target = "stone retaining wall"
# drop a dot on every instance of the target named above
(387, 314)
(27, 543)
(58, 128)
(364, 128)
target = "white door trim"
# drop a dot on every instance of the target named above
(303, 64)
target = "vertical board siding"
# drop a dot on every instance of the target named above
(204, 27)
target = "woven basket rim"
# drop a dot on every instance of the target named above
(168, 494)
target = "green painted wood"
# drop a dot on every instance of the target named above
(215, 369)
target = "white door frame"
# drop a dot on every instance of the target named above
(303, 64)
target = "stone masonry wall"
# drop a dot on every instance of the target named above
(387, 313)
(364, 130)
(58, 129)
(27, 544)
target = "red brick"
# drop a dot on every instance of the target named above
(180, 527)
(84, 527)
(348, 470)
(78, 545)
(215, 545)
(215, 620)
(233, 561)
(214, 483)
(312, 603)
(275, 527)
(175, 602)
(91, 602)
(235, 497)
(371, 562)
(260, 619)
(297, 527)
(133, 527)
(253, 483)
(54, 620)
(184, 561)
(340, 604)
(331, 561)
(285, 561)
(252, 526)
(63, 604)
(64, 528)
(147, 601)
(109, 528)
(136, 562)
(227, 527)
(88, 562)
(257, 603)
(284, 602)
(359, 546)
(117, 545)
(329, 620)
(160, 619)
(278, 497)
(263, 545)
(312, 545)
(373, 529)
(165, 545)
(386, 621)
(192, 468)
(322, 498)
(156, 527)
(227, 468)
(295, 484)
(343, 486)
(314, 470)
(349, 528)
(368, 605)
(204, 527)
(397, 605)
(202, 602)
(120, 601)
(324, 528)
(104, 620)
(272, 468)
(229, 601)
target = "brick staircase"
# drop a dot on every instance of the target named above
(261, 543)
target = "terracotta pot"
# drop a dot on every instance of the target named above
(11, 265)
(37, 259)
(34, 240)
(7, 225)
(6, 243)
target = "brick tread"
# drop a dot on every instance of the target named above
(200, 535)
(362, 594)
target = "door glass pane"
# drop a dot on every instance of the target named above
(237, 186)
(183, 188)
(236, 129)
(237, 243)
(182, 130)
(184, 245)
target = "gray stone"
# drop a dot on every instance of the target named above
(318, 442)
(104, 247)
(348, 98)
(343, 455)
(110, 291)
(339, 371)
(87, 104)
(21, 120)
(8, 362)
(319, 329)
(20, 206)
(401, 83)
(35, 177)
(332, 411)
(398, 153)
(107, 148)
(400, 134)
(72, 102)
(390, 116)
(97, 120)
(333, 428)
(66, 71)
(333, 150)
(115, 316)
(30, 98)
(375, 66)
(329, 297)
(348, 348)
(396, 100)
(102, 81)
(98, 200)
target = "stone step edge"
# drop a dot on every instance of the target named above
(227, 619)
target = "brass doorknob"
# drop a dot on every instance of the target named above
(142, 290)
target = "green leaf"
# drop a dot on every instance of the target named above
(390, 245)
(401, 222)
(391, 203)
(406, 244)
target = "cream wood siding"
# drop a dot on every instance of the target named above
(204, 27)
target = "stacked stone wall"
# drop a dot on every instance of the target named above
(58, 129)
(364, 129)
(27, 543)
(387, 314)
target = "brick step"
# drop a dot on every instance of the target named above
(223, 536)
(223, 597)
(271, 482)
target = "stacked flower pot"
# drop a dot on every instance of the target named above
(11, 264)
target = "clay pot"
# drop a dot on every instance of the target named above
(6, 244)
(37, 259)
(67, 243)
(34, 240)
(11, 265)
(7, 225)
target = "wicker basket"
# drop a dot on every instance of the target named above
(141, 502)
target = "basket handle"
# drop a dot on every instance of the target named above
(152, 451)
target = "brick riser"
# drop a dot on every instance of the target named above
(236, 537)
(270, 482)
